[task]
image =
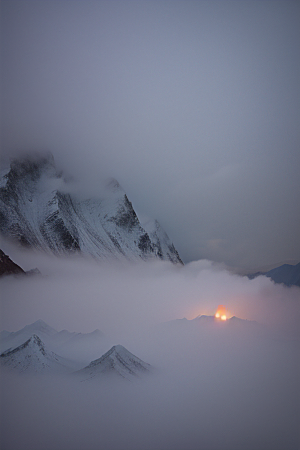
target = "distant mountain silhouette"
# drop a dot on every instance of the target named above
(287, 274)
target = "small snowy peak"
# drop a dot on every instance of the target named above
(34, 342)
(16, 338)
(33, 357)
(118, 361)
(40, 325)
(77, 346)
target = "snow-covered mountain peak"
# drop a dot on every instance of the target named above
(39, 326)
(34, 343)
(116, 361)
(38, 210)
(81, 347)
(33, 357)
(31, 166)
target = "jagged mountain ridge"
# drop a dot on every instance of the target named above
(38, 209)
(13, 339)
(33, 357)
(74, 345)
(161, 242)
(118, 361)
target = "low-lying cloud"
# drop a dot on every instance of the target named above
(211, 388)
(82, 295)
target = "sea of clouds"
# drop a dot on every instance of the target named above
(213, 387)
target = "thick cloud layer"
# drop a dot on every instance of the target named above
(212, 387)
(192, 106)
(82, 295)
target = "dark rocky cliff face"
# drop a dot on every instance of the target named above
(38, 210)
(8, 267)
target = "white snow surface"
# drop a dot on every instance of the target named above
(33, 357)
(11, 340)
(77, 346)
(163, 245)
(118, 361)
(41, 210)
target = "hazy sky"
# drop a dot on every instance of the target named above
(192, 105)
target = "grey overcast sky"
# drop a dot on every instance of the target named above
(192, 105)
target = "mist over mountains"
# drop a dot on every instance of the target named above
(41, 210)
(192, 108)
(212, 384)
(33, 356)
(81, 348)
(208, 374)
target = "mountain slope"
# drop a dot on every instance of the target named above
(8, 267)
(118, 361)
(10, 340)
(33, 357)
(286, 274)
(38, 209)
(81, 347)
(161, 242)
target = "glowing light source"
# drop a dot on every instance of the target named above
(221, 313)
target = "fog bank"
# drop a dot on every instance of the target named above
(214, 386)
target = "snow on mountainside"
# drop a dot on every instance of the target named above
(10, 340)
(78, 346)
(161, 242)
(33, 357)
(118, 361)
(38, 209)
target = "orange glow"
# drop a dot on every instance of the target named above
(221, 313)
